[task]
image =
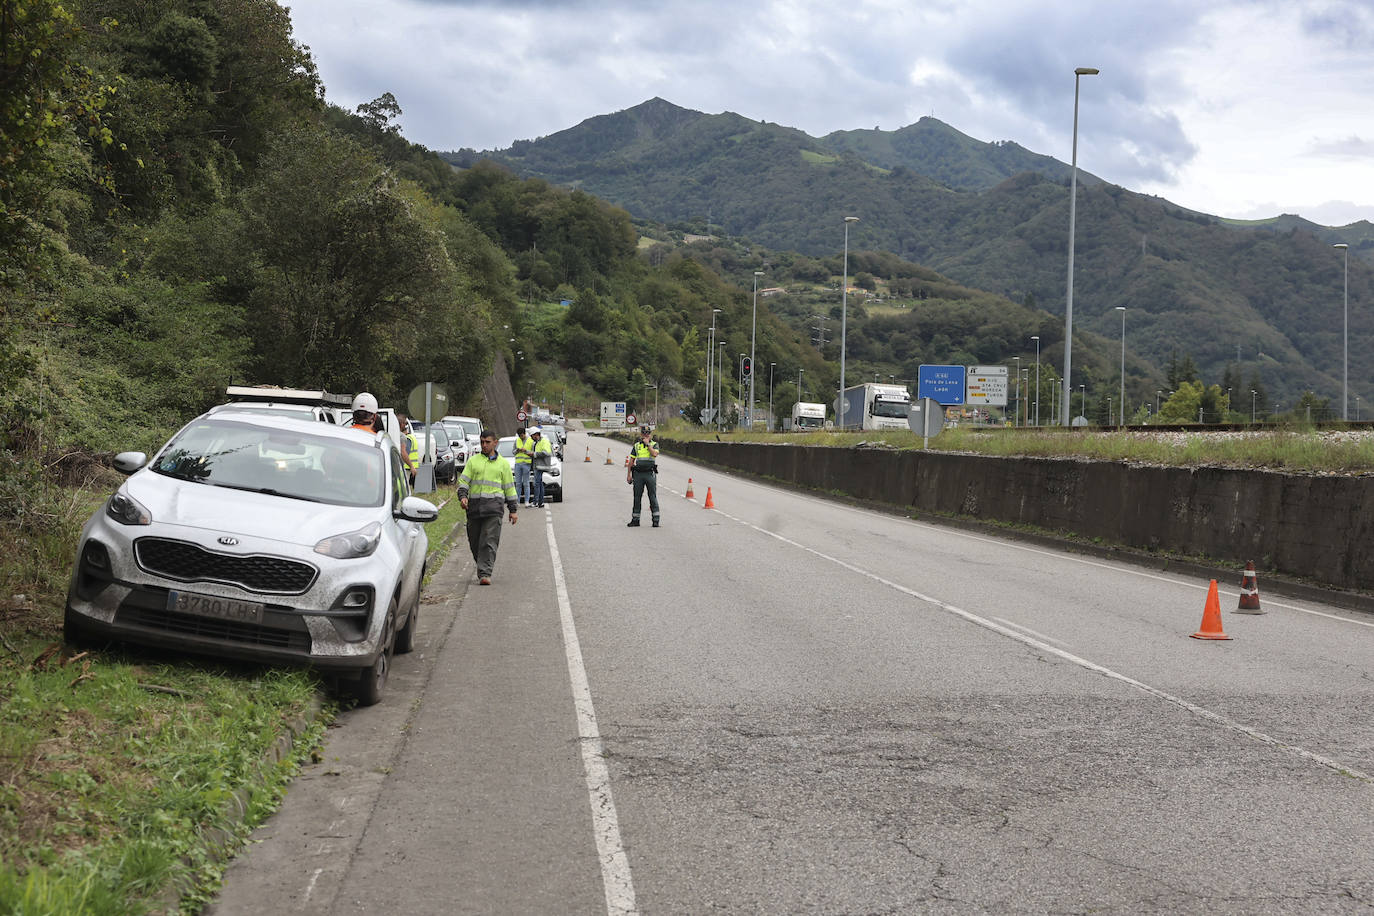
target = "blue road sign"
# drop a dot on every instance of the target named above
(943, 384)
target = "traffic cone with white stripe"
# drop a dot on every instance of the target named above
(690, 494)
(1249, 591)
(588, 458)
(608, 458)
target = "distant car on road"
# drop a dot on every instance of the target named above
(553, 477)
(440, 452)
(265, 539)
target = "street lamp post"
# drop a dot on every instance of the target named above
(1345, 346)
(1252, 407)
(753, 338)
(653, 420)
(1037, 379)
(1122, 310)
(710, 358)
(771, 367)
(1073, 209)
(844, 318)
(720, 377)
(1084, 389)
(1016, 386)
(800, 397)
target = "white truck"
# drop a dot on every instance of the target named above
(875, 406)
(806, 415)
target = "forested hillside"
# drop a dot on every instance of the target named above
(1264, 296)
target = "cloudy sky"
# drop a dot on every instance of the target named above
(1240, 108)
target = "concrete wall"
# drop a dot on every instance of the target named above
(1312, 527)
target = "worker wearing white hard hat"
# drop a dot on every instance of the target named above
(542, 461)
(365, 412)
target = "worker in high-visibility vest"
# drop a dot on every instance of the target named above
(643, 473)
(486, 488)
(541, 461)
(524, 456)
(410, 449)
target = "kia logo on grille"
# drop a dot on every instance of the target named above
(228, 541)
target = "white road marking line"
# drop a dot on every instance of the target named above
(615, 864)
(983, 622)
(1025, 629)
(1073, 558)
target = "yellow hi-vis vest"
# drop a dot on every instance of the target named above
(489, 485)
(525, 442)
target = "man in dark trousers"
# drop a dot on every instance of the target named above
(643, 473)
(486, 488)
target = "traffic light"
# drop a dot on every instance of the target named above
(747, 367)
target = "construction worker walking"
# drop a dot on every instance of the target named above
(643, 474)
(486, 489)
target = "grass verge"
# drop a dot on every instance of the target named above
(127, 776)
(1298, 449)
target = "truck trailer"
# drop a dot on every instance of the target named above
(875, 406)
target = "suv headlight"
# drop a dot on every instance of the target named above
(354, 544)
(126, 510)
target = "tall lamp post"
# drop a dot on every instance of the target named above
(844, 319)
(1122, 310)
(720, 380)
(771, 367)
(1084, 389)
(1078, 73)
(653, 421)
(710, 359)
(1016, 390)
(753, 338)
(800, 397)
(1345, 346)
(1252, 407)
(1037, 379)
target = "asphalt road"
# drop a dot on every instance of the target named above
(786, 705)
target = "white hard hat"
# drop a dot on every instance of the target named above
(534, 429)
(365, 401)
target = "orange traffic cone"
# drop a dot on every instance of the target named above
(690, 494)
(1211, 617)
(710, 503)
(1249, 591)
(608, 458)
(587, 460)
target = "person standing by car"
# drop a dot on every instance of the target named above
(486, 488)
(524, 457)
(541, 462)
(365, 413)
(410, 449)
(643, 473)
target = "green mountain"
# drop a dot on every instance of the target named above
(1264, 297)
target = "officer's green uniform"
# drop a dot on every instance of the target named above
(489, 485)
(644, 476)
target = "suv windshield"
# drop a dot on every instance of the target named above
(298, 465)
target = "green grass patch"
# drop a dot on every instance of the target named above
(815, 158)
(121, 772)
(1297, 449)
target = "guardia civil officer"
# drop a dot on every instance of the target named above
(643, 473)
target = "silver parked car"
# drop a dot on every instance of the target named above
(259, 538)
